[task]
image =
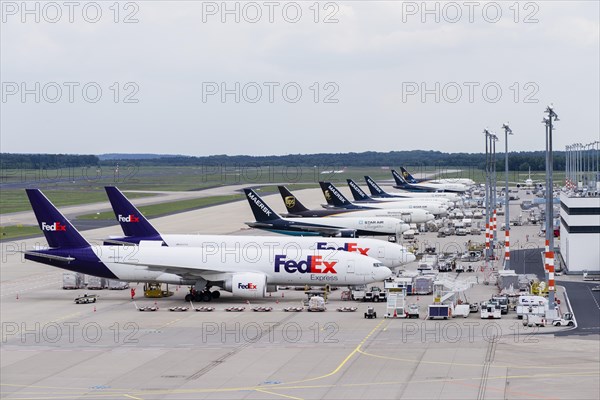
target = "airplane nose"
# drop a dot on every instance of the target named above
(430, 217)
(409, 257)
(403, 228)
(382, 273)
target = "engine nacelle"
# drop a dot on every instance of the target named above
(248, 285)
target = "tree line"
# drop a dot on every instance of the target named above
(518, 161)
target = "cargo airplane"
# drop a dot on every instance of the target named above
(401, 183)
(296, 209)
(250, 276)
(137, 228)
(335, 198)
(269, 220)
(410, 179)
(378, 192)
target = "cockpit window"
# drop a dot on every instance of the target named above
(376, 265)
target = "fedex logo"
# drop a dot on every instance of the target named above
(57, 226)
(248, 286)
(312, 265)
(349, 247)
(129, 218)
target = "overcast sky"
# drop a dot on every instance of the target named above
(377, 76)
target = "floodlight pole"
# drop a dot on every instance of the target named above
(507, 131)
(552, 116)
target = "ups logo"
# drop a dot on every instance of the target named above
(327, 195)
(405, 174)
(290, 201)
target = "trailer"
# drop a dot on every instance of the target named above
(73, 280)
(423, 285)
(461, 310)
(438, 311)
(96, 283)
(114, 284)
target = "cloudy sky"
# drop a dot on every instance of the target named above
(259, 78)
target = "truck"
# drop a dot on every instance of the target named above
(490, 311)
(566, 320)
(358, 292)
(413, 311)
(375, 294)
(502, 302)
(96, 283)
(439, 311)
(73, 280)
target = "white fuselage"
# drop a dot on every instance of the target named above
(433, 207)
(389, 254)
(290, 266)
(378, 225)
(408, 215)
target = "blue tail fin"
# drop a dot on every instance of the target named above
(292, 204)
(335, 197)
(398, 178)
(375, 189)
(357, 192)
(132, 221)
(407, 176)
(261, 211)
(59, 232)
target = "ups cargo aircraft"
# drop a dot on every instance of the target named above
(335, 198)
(401, 183)
(269, 220)
(410, 179)
(248, 276)
(377, 191)
(137, 228)
(360, 197)
(297, 209)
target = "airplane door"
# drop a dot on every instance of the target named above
(350, 268)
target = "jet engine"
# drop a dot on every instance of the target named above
(248, 285)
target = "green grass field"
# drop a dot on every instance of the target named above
(18, 231)
(15, 200)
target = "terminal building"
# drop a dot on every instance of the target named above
(580, 211)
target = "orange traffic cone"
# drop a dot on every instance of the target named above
(94, 308)
(282, 294)
(395, 314)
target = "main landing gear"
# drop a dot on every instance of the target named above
(204, 295)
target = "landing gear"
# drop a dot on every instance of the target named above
(205, 295)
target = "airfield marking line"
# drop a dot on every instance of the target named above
(279, 394)
(219, 390)
(169, 323)
(593, 297)
(472, 365)
(132, 397)
(502, 390)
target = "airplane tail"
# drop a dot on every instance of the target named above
(334, 196)
(407, 176)
(292, 204)
(375, 189)
(59, 232)
(400, 181)
(357, 192)
(133, 223)
(262, 212)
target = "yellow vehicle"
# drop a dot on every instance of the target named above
(154, 290)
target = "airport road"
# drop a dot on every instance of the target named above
(586, 306)
(55, 349)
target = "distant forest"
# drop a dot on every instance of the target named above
(518, 161)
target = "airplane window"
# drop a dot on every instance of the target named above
(377, 265)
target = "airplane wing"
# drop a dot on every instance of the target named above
(186, 272)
